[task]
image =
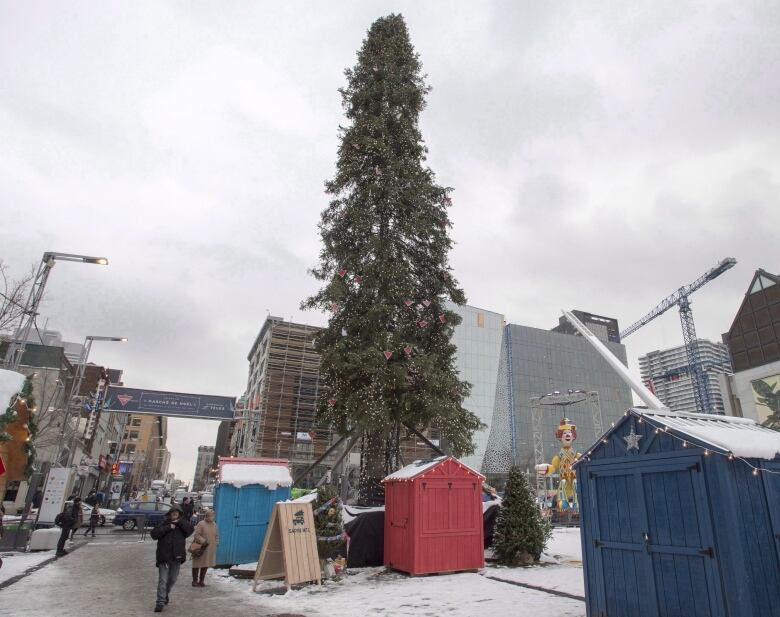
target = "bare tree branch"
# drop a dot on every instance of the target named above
(13, 295)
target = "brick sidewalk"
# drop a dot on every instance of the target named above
(116, 579)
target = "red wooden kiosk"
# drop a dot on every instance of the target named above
(433, 517)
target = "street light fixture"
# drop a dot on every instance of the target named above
(74, 390)
(13, 356)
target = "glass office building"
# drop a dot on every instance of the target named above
(478, 339)
(534, 362)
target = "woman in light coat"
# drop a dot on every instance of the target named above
(205, 531)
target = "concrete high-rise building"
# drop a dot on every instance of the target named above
(143, 453)
(667, 374)
(279, 418)
(753, 391)
(224, 435)
(202, 465)
(534, 363)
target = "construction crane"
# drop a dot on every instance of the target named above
(701, 384)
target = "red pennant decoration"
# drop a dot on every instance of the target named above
(448, 200)
(358, 279)
(331, 402)
(408, 303)
(388, 355)
(377, 170)
(408, 350)
(445, 275)
(334, 307)
(423, 324)
(442, 318)
(356, 146)
(342, 273)
(427, 303)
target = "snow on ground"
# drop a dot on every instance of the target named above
(565, 545)
(374, 591)
(567, 579)
(369, 591)
(561, 568)
(17, 563)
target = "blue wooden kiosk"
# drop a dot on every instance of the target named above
(244, 500)
(680, 516)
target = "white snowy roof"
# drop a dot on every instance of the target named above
(11, 383)
(244, 474)
(739, 436)
(418, 467)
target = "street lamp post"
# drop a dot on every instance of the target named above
(82, 367)
(15, 351)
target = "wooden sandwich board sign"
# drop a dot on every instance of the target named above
(290, 546)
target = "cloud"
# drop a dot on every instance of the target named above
(601, 158)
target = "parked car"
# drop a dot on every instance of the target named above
(126, 515)
(106, 515)
(207, 501)
(180, 495)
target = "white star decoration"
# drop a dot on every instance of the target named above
(632, 440)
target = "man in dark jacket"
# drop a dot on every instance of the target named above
(188, 508)
(65, 520)
(171, 552)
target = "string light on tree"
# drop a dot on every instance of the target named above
(383, 220)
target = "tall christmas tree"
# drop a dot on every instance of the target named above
(521, 531)
(387, 359)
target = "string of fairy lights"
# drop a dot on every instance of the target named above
(685, 442)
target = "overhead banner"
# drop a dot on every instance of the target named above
(157, 403)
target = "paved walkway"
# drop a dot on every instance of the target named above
(116, 577)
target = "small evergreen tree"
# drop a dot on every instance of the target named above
(521, 530)
(328, 524)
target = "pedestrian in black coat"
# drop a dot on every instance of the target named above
(94, 521)
(188, 508)
(171, 537)
(65, 520)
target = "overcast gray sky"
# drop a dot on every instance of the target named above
(602, 154)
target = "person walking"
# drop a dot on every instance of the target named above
(207, 537)
(65, 521)
(171, 552)
(188, 508)
(94, 521)
(78, 517)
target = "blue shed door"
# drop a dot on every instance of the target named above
(653, 535)
(242, 516)
(253, 511)
(772, 488)
(225, 497)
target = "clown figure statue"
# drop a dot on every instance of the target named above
(562, 463)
